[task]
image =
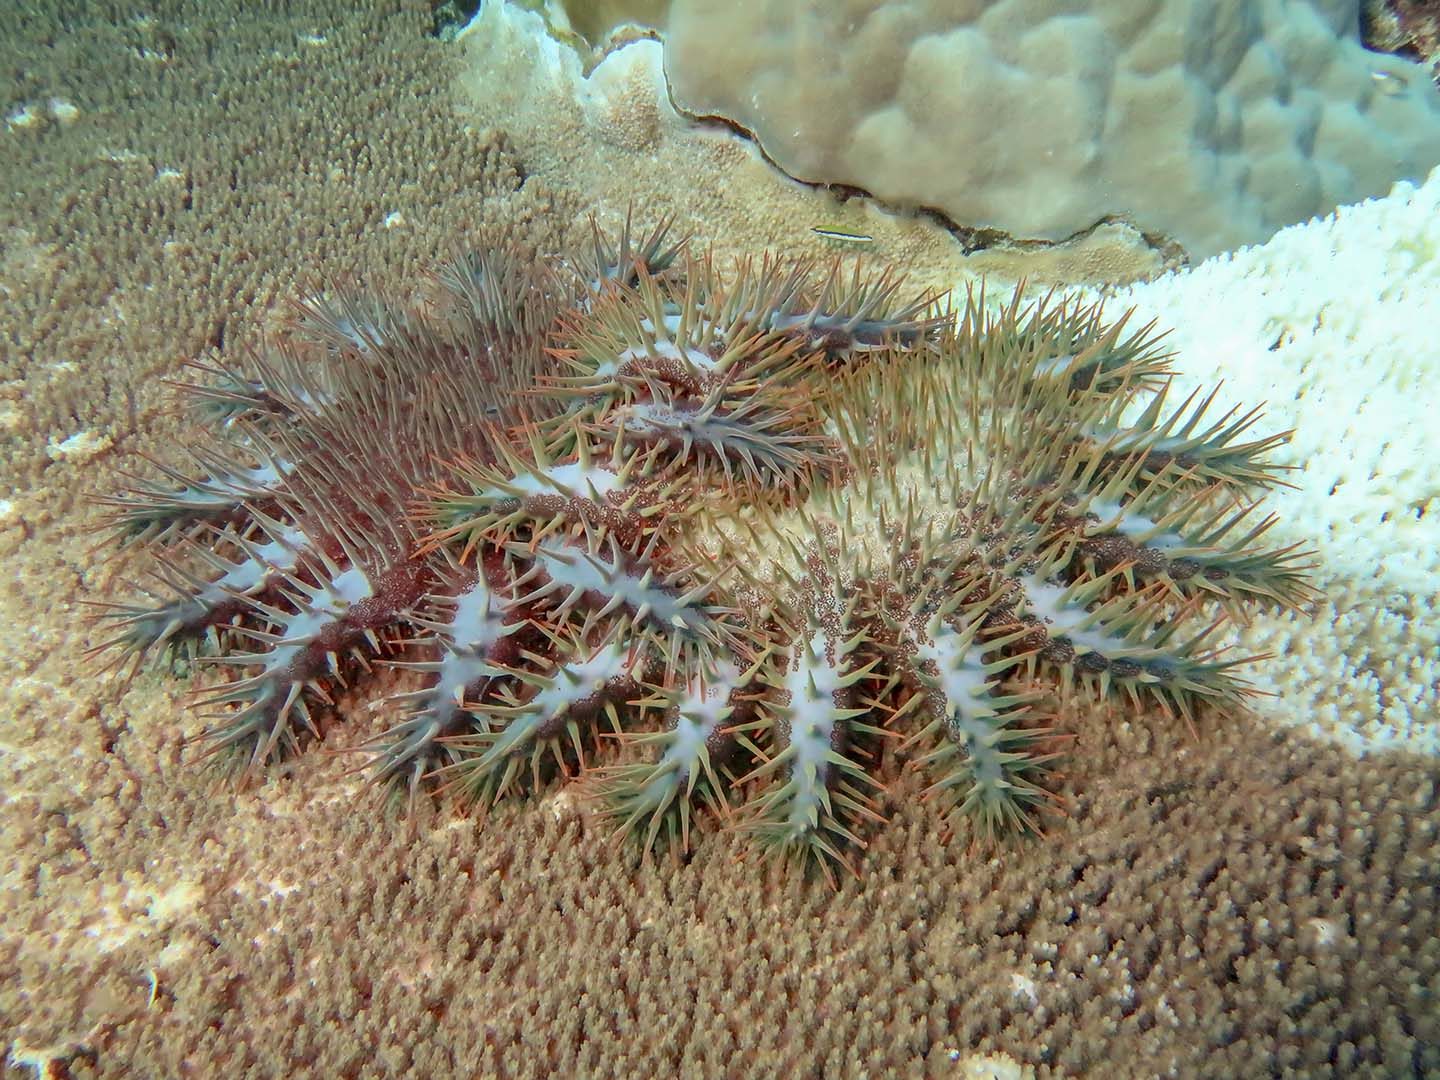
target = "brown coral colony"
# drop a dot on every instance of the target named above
(770, 525)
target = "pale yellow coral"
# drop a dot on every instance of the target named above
(1210, 123)
(610, 138)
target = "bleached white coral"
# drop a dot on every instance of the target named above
(1333, 324)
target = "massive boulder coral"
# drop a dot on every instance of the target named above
(1211, 124)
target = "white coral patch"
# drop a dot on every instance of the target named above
(1332, 326)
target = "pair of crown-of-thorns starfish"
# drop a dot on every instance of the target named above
(752, 522)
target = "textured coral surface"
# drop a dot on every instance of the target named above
(1213, 124)
(611, 135)
(1332, 326)
(1249, 902)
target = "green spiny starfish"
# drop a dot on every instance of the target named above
(754, 522)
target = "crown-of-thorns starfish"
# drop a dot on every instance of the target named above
(756, 526)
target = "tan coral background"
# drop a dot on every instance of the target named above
(1242, 904)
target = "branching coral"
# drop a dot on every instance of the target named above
(753, 522)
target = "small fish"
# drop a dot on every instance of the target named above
(835, 234)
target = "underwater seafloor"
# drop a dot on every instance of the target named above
(1259, 899)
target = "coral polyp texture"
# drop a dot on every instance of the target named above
(1211, 131)
(729, 545)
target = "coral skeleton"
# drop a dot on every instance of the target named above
(727, 544)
